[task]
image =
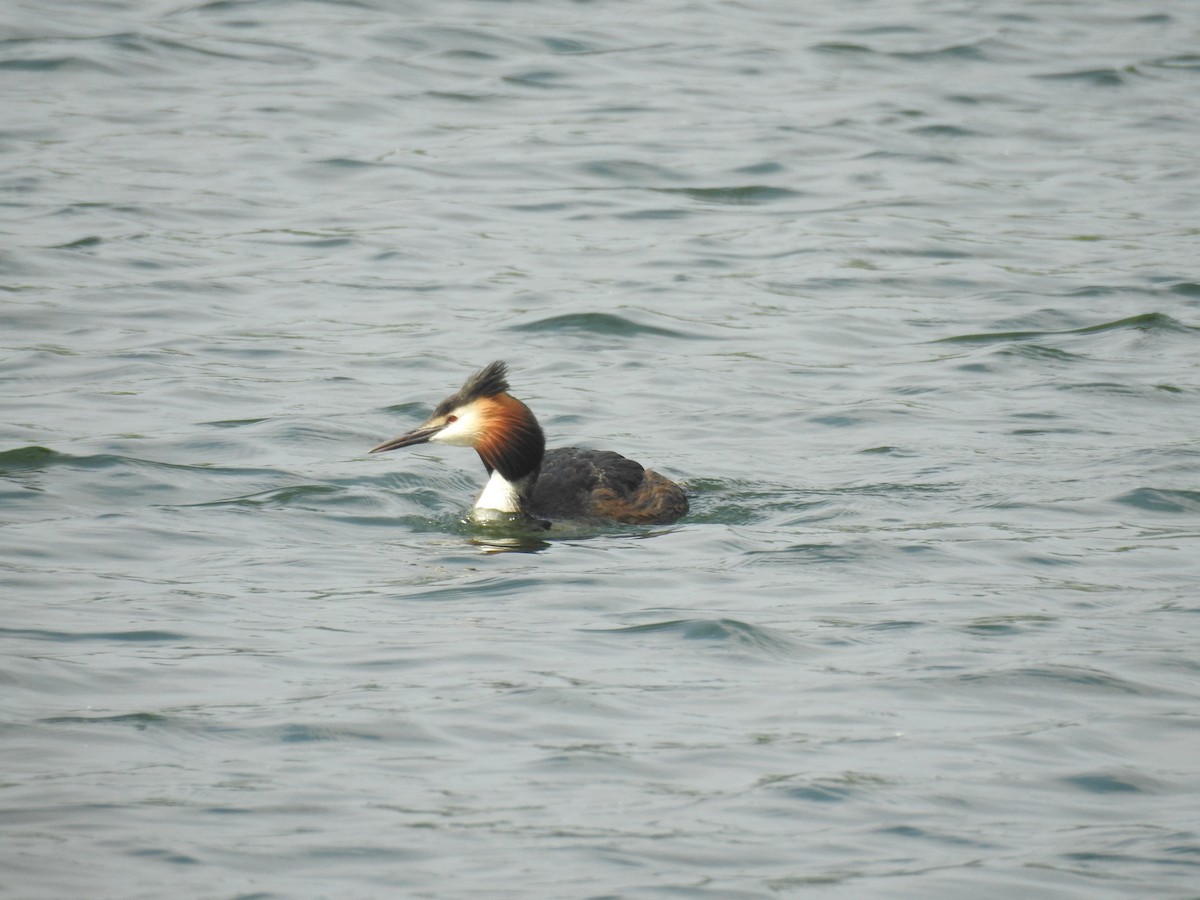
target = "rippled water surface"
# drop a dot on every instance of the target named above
(906, 293)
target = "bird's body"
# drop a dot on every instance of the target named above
(527, 480)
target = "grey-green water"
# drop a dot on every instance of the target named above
(907, 293)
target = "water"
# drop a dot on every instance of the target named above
(907, 294)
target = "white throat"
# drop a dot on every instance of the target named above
(499, 495)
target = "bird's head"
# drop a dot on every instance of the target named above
(482, 414)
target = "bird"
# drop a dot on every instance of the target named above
(527, 481)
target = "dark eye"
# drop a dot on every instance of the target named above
(450, 419)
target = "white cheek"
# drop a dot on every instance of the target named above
(463, 433)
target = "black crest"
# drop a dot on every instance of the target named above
(487, 382)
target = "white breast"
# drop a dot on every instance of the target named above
(499, 495)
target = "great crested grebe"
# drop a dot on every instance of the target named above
(528, 480)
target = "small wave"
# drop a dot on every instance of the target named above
(953, 52)
(841, 47)
(736, 502)
(756, 638)
(346, 162)
(1106, 77)
(234, 423)
(1184, 61)
(1146, 322)
(594, 323)
(41, 634)
(944, 131)
(55, 63)
(1162, 500)
(1040, 677)
(1040, 352)
(630, 172)
(36, 458)
(837, 789)
(141, 720)
(542, 79)
(1008, 624)
(24, 459)
(1114, 783)
(83, 243)
(292, 495)
(808, 552)
(740, 195)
